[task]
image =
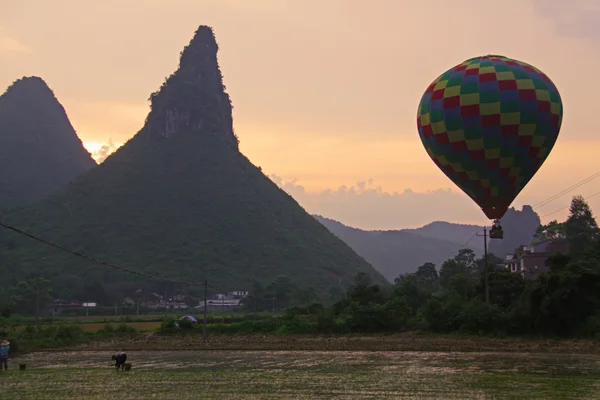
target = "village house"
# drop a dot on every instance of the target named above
(157, 301)
(59, 305)
(531, 261)
(172, 305)
(177, 305)
(224, 301)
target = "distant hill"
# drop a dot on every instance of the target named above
(399, 251)
(180, 201)
(39, 149)
(393, 252)
(455, 233)
(519, 228)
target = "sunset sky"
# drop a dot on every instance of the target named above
(325, 91)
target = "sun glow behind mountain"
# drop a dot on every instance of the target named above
(100, 151)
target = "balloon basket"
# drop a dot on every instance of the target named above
(496, 232)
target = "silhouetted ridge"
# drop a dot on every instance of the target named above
(29, 88)
(393, 252)
(193, 98)
(398, 251)
(30, 98)
(180, 201)
(39, 149)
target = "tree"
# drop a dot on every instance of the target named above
(282, 289)
(466, 258)
(449, 269)
(553, 230)
(365, 294)
(505, 287)
(20, 296)
(404, 276)
(257, 298)
(304, 296)
(581, 227)
(492, 262)
(427, 271)
(412, 292)
(30, 296)
(362, 279)
(462, 285)
(336, 292)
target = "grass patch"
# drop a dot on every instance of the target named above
(304, 375)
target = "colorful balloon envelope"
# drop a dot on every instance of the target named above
(489, 125)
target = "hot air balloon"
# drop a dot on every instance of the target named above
(489, 124)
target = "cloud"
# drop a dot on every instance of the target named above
(10, 45)
(368, 206)
(101, 153)
(574, 18)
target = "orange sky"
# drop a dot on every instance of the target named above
(325, 91)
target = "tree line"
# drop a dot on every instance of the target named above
(564, 301)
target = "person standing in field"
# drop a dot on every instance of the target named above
(4, 348)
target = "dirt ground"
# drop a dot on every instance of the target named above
(314, 375)
(399, 342)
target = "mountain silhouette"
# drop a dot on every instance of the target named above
(180, 201)
(39, 149)
(396, 252)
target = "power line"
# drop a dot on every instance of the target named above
(547, 201)
(462, 246)
(550, 199)
(467, 242)
(78, 254)
(560, 209)
(567, 190)
(154, 277)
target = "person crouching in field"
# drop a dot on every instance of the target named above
(119, 359)
(4, 348)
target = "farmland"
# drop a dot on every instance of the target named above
(139, 323)
(304, 375)
(407, 342)
(93, 327)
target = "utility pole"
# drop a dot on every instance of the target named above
(205, 307)
(273, 299)
(166, 300)
(37, 305)
(485, 264)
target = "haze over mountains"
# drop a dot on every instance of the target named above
(179, 201)
(39, 149)
(397, 252)
(392, 252)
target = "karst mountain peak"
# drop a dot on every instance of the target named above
(179, 200)
(40, 151)
(193, 98)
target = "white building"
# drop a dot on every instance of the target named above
(219, 304)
